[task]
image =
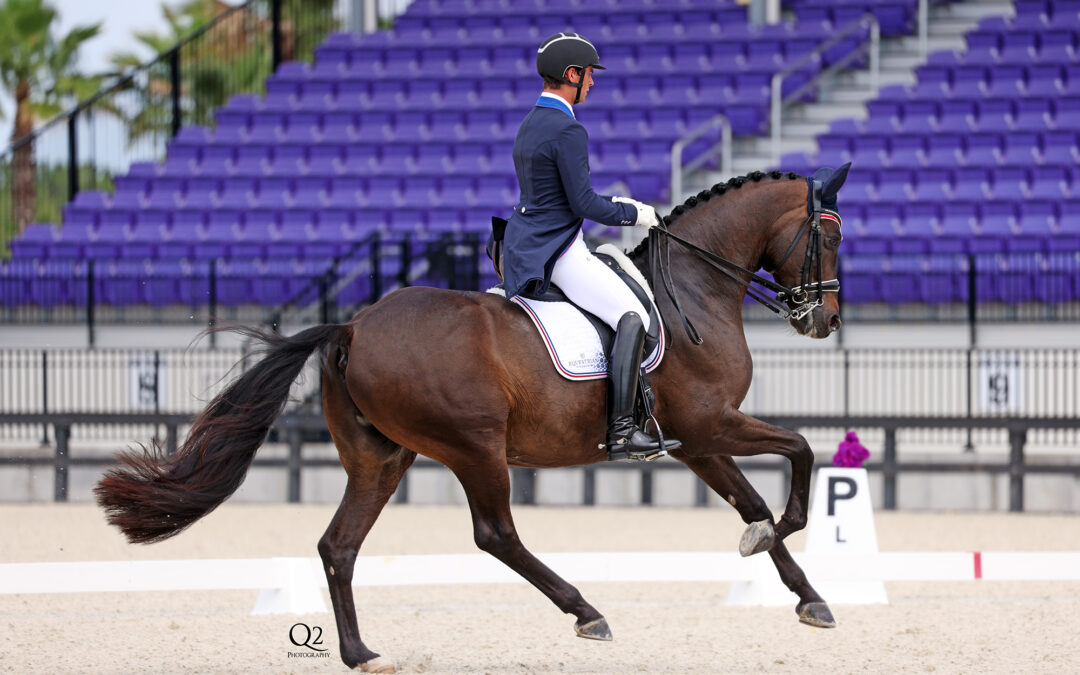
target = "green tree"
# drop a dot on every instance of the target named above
(40, 73)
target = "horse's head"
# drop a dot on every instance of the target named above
(803, 256)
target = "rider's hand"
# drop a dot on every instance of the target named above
(646, 215)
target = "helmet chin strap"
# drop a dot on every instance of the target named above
(577, 85)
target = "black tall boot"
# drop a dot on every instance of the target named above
(624, 439)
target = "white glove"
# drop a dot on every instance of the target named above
(646, 215)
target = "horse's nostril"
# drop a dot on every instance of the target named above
(835, 323)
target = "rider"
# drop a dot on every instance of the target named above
(543, 240)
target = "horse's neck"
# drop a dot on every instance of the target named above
(736, 227)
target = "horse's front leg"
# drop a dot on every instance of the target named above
(724, 476)
(736, 434)
(487, 486)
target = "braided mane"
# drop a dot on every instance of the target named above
(705, 195)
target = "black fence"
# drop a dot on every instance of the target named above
(971, 289)
(1025, 401)
(98, 291)
(297, 429)
(134, 118)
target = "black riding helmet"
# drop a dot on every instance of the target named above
(566, 50)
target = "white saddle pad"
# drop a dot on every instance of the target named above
(572, 342)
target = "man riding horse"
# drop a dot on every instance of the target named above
(543, 240)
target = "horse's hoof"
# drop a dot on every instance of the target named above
(758, 537)
(597, 629)
(816, 614)
(378, 664)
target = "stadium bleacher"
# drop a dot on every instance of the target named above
(409, 130)
(979, 157)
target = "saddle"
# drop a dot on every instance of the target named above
(555, 294)
(552, 308)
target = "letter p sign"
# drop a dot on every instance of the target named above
(840, 487)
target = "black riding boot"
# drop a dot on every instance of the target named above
(624, 439)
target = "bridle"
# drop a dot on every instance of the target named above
(789, 303)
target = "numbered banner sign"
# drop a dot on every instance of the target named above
(146, 383)
(1000, 385)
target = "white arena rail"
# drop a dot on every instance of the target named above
(294, 585)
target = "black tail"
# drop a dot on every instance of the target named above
(152, 497)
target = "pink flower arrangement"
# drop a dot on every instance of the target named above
(850, 453)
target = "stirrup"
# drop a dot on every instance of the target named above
(635, 456)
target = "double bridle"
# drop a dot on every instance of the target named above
(805, 297)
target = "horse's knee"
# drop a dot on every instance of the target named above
(492, 540)
(338, 560)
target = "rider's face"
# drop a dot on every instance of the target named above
(587, 84)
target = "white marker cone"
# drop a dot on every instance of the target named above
(842, 521)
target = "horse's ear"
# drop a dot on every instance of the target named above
(834, 182)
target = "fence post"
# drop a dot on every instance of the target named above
(701, 493)
(376, 268)
(61, 463)
(212, 303)
(73, 154)
(888, 469)
(171, 439)
(646, 485)
(295, 448)
(1017, 439)
(972, 304)
(275, 31)
(523, 486)
(90, 301)
(406, 261)
(174, 82)
(401, 495)
(44, 395)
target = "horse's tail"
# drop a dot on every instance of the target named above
(152, 497)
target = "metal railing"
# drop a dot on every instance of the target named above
(95, 292)
(298, 429)
(975, 289)
(678, 169)
(48, 398)
(778, 102)
(133, 119)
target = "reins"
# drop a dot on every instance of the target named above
(660, 262)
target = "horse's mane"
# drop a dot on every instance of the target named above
(705, 195)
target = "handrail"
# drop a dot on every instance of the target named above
(724, 146)
(924, 27)
(778, 101)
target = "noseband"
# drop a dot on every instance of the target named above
(789, 303)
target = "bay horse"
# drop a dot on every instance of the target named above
(463, 378)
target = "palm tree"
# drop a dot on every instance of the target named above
(39, 71)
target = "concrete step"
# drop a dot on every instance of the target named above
(856, 87)
(804, 129)
(824, 111)
(973, 10)
(910, 45)
(855, 96)
(902, 61)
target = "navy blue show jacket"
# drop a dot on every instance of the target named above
(551, 158)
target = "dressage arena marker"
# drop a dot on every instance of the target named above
(295, 585)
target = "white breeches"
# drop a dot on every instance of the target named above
(594, 286)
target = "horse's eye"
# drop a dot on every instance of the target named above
(833, 242)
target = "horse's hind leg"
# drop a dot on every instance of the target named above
(375, 466)
(724, 476)
(487, 486)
